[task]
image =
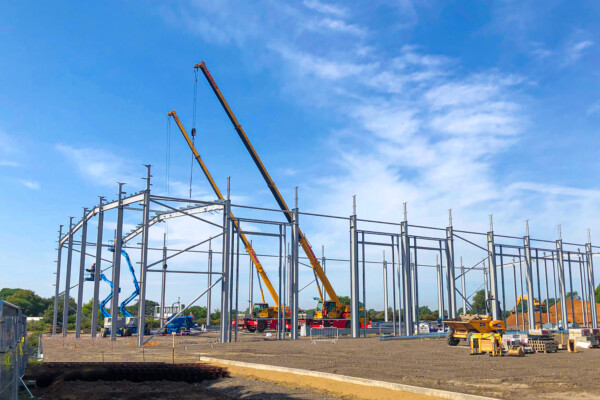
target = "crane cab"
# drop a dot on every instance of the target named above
(262, 310)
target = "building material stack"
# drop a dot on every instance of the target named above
(541, 341)
(584, 338)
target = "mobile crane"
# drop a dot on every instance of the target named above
(332, 312)
(262, 316)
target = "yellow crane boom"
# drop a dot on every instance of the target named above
(314, 262)
(247, 245)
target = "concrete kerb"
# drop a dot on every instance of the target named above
(442, 394)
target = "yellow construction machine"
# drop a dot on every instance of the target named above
(482, 333)
(537, 305)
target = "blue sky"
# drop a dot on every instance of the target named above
(482, 107)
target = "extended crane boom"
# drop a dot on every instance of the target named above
(314, 262)
(215, 188)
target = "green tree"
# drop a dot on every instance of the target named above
(346, 301)
(197, 311)
(48, 314)
(133, 308)
(478, 302)
(31, 304)
(573, 295)
(598, 294)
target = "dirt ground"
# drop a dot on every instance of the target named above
(422, 362)
(221, 389)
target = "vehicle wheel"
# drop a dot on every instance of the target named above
(104, 332)
(326, 324)
(129, 332)
(251, 328)
(146, 330)
(261, 325)
(450, 339)
(348, 325)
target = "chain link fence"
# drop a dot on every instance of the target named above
(14, 352)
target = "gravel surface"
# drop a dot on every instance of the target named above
(423, 362)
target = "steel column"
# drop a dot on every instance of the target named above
(57, 284)
(225, 320)
(547, 295)
(81, 274)
(385, 290)
(529, 282)
(354, 285)
(450, 269)
(208, 293)
(561, 283)
(68, 279)
(144, 261)
(415, 286)
(492, 273)
(440, 286)
(294, 271)
(406, 276)
(116, 277)
(97, 270)
(463, 286)
(591, 283)
(163, 283)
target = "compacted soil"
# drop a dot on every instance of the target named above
(422, 362)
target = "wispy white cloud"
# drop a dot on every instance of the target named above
(8, 163)
(325, 8)
(100, 167)
(33, 185)
(575, 50)
(594, 108)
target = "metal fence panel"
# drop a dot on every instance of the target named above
(14, 351)
(324, 335)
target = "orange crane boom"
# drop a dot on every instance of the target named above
(314, 262)
(247, 245)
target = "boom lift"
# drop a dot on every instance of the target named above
(333, 311)
(128, 323)
(263, 316)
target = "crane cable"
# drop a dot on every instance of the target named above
(194, 126)
(167, 165)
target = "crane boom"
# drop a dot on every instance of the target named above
(314, 262)
(247, 245)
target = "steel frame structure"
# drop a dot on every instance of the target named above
(405, 242)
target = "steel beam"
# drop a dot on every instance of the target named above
(68, 279)
(116, 275)
(57, 284)
(81, 275)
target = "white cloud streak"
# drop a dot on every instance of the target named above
(29, 184)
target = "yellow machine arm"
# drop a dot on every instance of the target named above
(314, 262)
(247, 245)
